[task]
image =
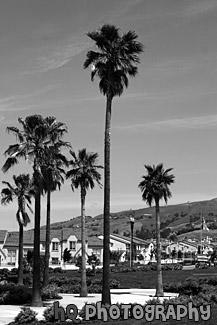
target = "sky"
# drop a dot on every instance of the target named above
(167, 115)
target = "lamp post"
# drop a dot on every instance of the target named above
(131, 245)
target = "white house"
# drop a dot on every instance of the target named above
(123, 243)
(3, 253)
(61, 239)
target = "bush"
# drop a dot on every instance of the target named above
(114, 284)
(14, 271)
(25, 316)
(95, 288)
(59, 281)
(4, 271)
(50, 292)
(27, 280)
(212, 281)
(58, 270)
(68, 288)
(49, 314)
(12, 278)
(17, 295)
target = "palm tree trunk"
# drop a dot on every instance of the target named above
(47, 242)
(36, 292)
(20, 257)
(159, 289)
(83, 292)
(106, 296)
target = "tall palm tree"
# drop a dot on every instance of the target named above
(154, 187)
(33, 139)
(84, 174)
(116, 59)
(22, 191)
(53, 175)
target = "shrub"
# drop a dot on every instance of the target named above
(50, 292)
(6, 287)
(17, 295)
(95, 288)
(114, 284)
(4, 271)
(14, 271)
(12, 278)
(59, 281)
(27, 280)
(68, 288)
(49, 314)
(212, 281)
(58, 270)
(25, 316)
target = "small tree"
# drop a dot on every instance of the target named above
(115, 255)
(93, 260)
(67, 255)
(173, 254)
(180, 254)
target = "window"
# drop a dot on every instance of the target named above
(55, 260)
(11, 253)
(12, 257)
(55, 246)
(96, 251)
(72, 245)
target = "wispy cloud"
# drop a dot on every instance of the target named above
(200, 122)
(17, 102)
(199, 7)
(60, 55)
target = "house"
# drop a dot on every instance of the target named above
(3, 256)
(141, 248)
(60, 239)
(188, 247)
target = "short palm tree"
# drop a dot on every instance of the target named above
(116, 59)
(53, 176)
(22, 192)
(33, 139)
(154, 187)
(83, 174)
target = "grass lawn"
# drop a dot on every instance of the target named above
(147, 279)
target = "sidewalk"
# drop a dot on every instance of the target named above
(126, 296)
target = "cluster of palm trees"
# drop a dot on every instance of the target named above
(40, 142)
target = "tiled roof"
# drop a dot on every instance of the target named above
(136, 240)
(28, 236)
(94, 241)
(2, 235)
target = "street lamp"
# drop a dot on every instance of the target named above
(131, 245)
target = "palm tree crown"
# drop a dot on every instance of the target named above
(117, 58)
(23, 191)
(36, 134)
(155, 185)
(84, 171)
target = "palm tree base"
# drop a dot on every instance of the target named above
(159, 294)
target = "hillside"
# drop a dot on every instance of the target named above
(179, 218)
